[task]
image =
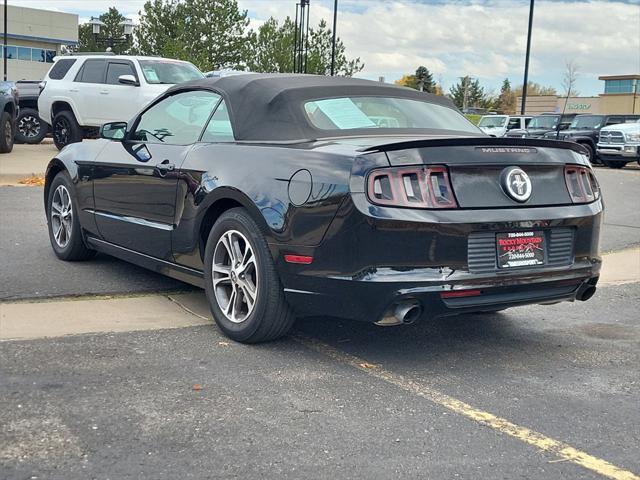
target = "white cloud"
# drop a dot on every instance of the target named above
(482, 38)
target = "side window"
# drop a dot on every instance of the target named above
(114, 70)
(219, 127)
(176, 120)
(615, 120)
(513, 123)
(526, 122)
(60, 68)
(92, 72)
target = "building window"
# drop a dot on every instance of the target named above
(619, 86)
(28, 54)
(12, 52)
(24, 53)
(37, 55)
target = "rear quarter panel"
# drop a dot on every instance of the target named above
(293, 193)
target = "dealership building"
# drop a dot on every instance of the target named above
(621, 95)
(34, 38)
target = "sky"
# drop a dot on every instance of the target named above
(485, 39)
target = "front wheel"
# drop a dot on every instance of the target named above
(243, 288)
(65, 232)
(65, 129)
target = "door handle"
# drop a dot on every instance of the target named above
(165, 166)
(104, 92)
(74, 90)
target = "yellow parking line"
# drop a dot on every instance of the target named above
(564, 451)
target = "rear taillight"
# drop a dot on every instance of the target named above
(581, 183)
(414, 187)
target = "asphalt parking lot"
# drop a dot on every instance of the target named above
(534, 392)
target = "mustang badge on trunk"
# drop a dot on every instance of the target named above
(516, 183)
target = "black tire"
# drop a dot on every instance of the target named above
(65, 129)
(271, 316)
(615, 164)
(74, 248)
(591, 152)
(6, 132)
(29, 127)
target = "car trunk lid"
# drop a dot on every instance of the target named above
(477, 167)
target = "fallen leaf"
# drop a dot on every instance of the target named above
(197, 387)
(223, 344)
(34, 181)
(367, 365)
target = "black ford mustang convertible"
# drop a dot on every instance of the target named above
(287, 195)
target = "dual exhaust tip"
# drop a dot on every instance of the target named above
(404, 312)
(408, 311)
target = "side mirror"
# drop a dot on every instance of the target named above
(113, 130)
(128, 80)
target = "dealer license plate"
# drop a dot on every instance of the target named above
(520, 249)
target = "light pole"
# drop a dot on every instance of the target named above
(333, 41)
(4, 43)
(526, 61)
(97, 25)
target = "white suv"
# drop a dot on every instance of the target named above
(83, 92)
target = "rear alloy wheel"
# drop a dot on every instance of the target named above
(65, 232)
(6, 133)
(29, 128)
(243, 288)
(65, 129)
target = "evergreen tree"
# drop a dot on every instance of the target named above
(271, 50)
(506, 102)
(422, 80)
(210, 33)
(475, 96)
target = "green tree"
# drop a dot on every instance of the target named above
(422, 80)
(210, 33)
(271, 50)
(110, 29)
(535, 89)
(506, 101)
(272, 47)
(468, 93)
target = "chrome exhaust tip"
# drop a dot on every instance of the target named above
(404, 312)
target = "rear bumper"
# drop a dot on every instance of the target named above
(367, 264)
(372, 297)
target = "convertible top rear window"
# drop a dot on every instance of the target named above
(347, 113)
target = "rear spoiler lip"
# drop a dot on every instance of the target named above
(420, 142)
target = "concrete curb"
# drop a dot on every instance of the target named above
(24, 320)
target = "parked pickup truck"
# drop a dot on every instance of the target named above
(499, 125)
(29, 127)
(584, 129)
(619, 144)
(543, 124)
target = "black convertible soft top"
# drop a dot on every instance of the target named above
(269, 107)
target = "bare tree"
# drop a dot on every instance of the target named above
(570, 78)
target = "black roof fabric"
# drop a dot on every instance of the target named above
(269, 107)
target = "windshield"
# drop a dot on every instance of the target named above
(169, 71)
(589, 121)
(544, 121)
(347, 113)
(492, 121)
